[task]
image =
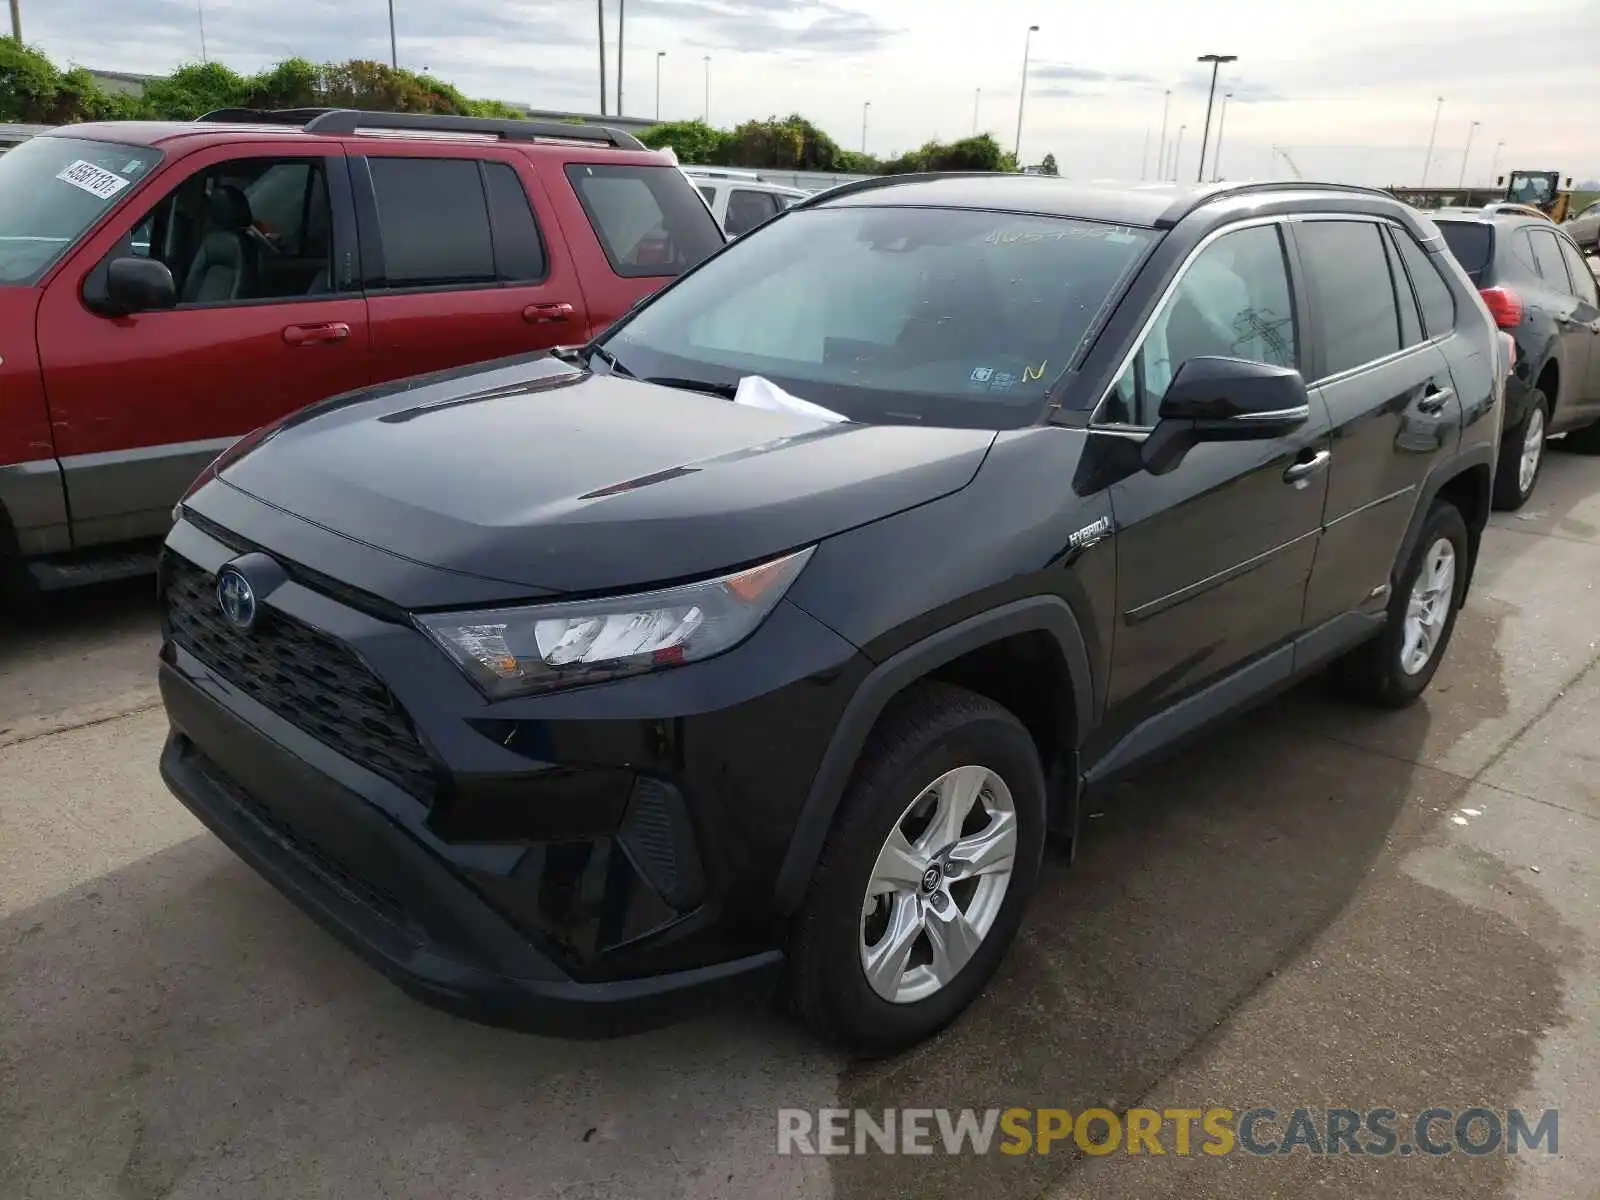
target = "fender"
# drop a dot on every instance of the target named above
(1481, 455)
(1046, 614)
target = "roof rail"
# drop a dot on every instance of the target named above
(345, 121)
(1188, 203)
(351, 120)
(262, 116)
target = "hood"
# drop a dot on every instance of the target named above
(557, 480)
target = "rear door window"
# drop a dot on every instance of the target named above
(1583, 282)
(1348, 273)
(747, 209)
(1547, 254)
(1433, 293)
(433, 219)
(648, 219)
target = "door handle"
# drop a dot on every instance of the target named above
(1435, 400)
(1297, 473)
(316, 335)
(547, 314)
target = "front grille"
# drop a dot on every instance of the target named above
(305, 677)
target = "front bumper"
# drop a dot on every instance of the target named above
(586, 863)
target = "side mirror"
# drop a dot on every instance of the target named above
(139, 285)
(1500, 181)
(1224, 400)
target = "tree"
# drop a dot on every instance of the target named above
(692, 141)
(198, 88)
(1048, 166)
(981, 153)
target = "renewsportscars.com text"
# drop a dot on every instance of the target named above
(1262, 1131)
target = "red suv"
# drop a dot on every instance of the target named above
(165, 288)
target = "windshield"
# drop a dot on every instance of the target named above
(950, 317)
(53, 190)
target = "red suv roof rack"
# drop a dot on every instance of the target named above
(346, 121)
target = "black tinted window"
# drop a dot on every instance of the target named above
(434, 221)
(518, 252)
(1433, 293)
(710, 193)
(648, 219)
(1583, 282)
(1410, 317)
(1472, 243)
(1547, 254)
(1349, 277)
(747, 209)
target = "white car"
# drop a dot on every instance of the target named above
(741, 200)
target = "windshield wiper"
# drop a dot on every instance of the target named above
(726, 390)
(609, 359)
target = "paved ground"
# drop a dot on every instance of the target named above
(1323, 906)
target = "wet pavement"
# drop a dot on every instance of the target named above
(1322, 906)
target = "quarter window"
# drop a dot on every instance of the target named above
(1348, 273)
(433, 220)
(1433, 293)
(1232, 301)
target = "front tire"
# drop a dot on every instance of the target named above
(923, 880)
(1394, 668)
(1522, 455)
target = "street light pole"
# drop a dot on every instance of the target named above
(660, 54)
(1494, 163)
(200, 11)
(394, 46)
(1027, 47)
(1161, 155)
(600, 13)
(708, 89)
(1216, 155)
(976, 100)
(1433, 137)
(866, 105)
(1471, 129)
(622, 12)
(16, 20)
(1177, 152)
(1216, 61)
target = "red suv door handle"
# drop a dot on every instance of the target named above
(316, 335)
(547, 314)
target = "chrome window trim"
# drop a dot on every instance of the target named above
(1124, 429)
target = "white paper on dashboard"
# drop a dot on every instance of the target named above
(756, 392)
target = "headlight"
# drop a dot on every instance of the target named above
(514, 651)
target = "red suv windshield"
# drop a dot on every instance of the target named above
(53, 190)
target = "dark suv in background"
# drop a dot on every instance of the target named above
(168, 287)
(573, 690)
(1539, 288)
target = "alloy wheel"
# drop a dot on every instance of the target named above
(1532, 450)
(938, 884)
(1428, 610)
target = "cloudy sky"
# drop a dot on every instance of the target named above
(1348, 91)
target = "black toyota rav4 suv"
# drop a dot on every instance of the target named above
(571, 690)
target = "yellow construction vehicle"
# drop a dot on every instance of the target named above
(1535, 189)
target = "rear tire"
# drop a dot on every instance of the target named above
(855, 916)
(1522, 455)
(1390, 671)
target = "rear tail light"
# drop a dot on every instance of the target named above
(1504, 305)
